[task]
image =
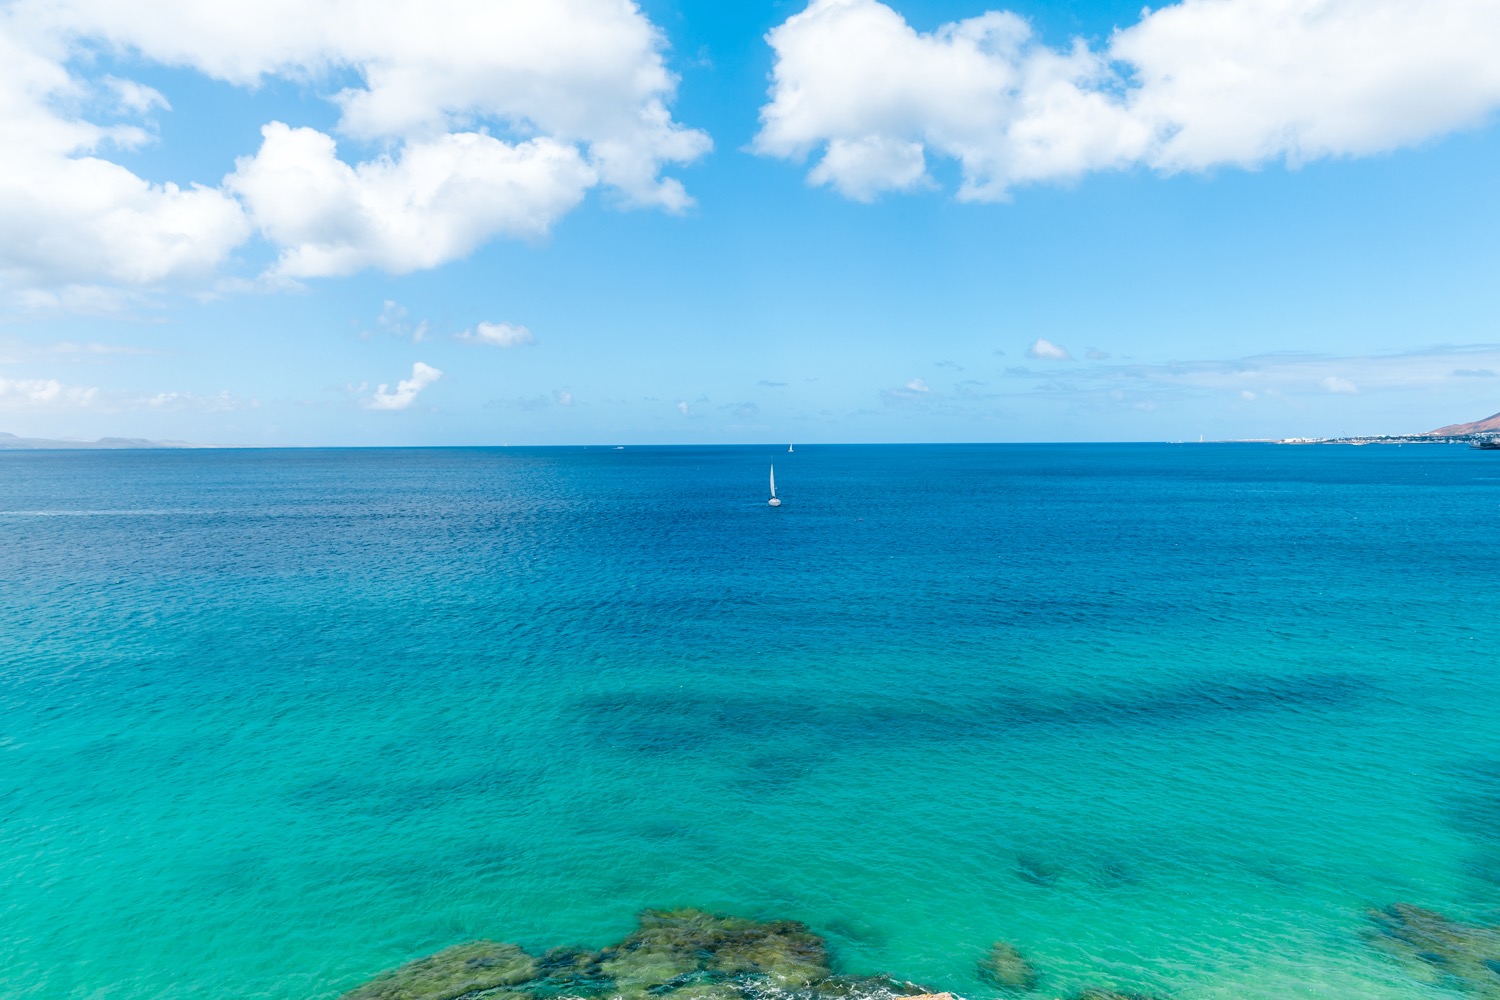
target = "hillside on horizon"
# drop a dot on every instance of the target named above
(1490, 424)
(15, 443)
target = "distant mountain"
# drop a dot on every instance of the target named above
(13, 443)
(1489, 425)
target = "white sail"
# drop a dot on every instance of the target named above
(773, 482)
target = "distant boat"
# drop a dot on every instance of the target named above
(1490, 444)
(788, 449)
(774, 501)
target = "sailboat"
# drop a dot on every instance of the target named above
(774, 501)
(788, 449)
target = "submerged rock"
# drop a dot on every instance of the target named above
(454, 972)
(1037, 871)
(676, 944)
(673, 955)
(1102, 994)
(569, 972)
(868, 987)
(1434, 949)
(687, 954)
(1007, 968)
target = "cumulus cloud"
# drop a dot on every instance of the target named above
(498, 335)
(405, 393)
(71, 217)
(1342, 386)
(435, 201)
(1045, 350)
(1191, 86)
(913, 391)
(497, 116)
(44, 393)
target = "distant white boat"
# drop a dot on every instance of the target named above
(788, 449)
(774, 501)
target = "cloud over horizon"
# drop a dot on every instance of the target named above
(406, 391)
(498, 335)
(1189, 87)
(1042, 349)
(1286, 376)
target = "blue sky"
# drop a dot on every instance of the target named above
(704, 222)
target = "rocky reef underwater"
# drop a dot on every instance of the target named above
(690, 954)
(675, 955)
(1438, 951)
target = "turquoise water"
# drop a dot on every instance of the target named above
(1168, 718)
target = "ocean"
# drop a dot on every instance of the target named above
(1170, 719)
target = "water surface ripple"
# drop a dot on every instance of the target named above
(1167, 718)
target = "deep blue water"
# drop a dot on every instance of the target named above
(1169, 718)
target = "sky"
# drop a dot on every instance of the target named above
(487, 222)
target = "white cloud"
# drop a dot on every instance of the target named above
(498, 335)
(73, 299)
(1343, 386)
(52, 395)
(563, 397)
(683, 408)
(436, 202)
(497, 115)
(71, 217)
(918, 385)
(863, 168)
(1191, 86)
(584, 71)
(219, 402)
(44, 394)
(405, 393)
(135, 98)
(1042, 349)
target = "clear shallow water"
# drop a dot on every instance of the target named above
(1166, 717)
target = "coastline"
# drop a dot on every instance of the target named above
(1472, 440)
